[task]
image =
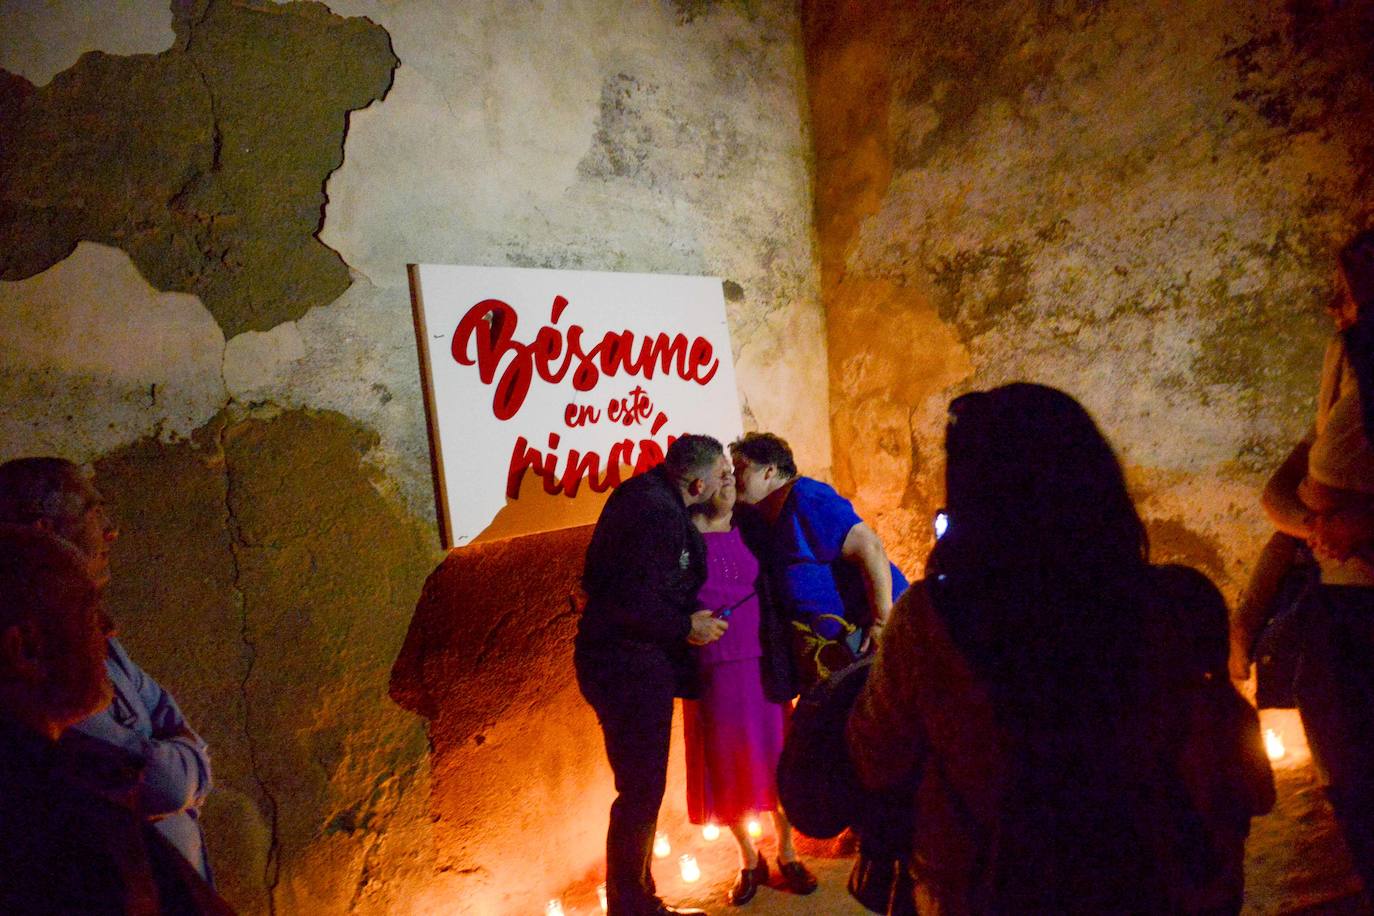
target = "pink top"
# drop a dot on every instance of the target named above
(731, 573)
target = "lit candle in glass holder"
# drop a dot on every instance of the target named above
(553, 908)
(1273, 745)
(711, 832)
(754, 828)
(662, 848)
(691, 871)
(601, 895)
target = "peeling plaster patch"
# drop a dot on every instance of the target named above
(286, 666)
(205, 162)
(474, 131)
(40, 40)
(323, 629)
(109, 358)
(981, 62)
(982, 287)
(355, 356)
(169, 499)
(256, 361)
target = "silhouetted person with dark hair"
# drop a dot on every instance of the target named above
(65, 846)
(645, 564)
(833, 575)
(1064, 704)
(1323, 493)
(143, 719)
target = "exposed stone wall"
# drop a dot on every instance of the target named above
(1137, 202)
(206, 214)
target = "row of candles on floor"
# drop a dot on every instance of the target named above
(691, 871)
(687, 863)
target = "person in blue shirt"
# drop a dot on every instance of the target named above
(65, 845)
(831, 568)
(143, 720)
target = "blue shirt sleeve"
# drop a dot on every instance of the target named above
(822, 519)
(808, 540)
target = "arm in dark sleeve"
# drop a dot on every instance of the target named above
(635, 556)
(885, 736)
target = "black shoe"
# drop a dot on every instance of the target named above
(796, 877)
(748, 882)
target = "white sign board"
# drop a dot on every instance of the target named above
(547, 388)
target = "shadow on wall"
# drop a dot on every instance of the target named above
(520, 785)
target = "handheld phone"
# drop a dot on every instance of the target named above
(941, 523)
(724, 613)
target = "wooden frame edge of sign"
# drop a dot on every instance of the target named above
(436, 458)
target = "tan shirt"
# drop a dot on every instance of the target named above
(1341, 456)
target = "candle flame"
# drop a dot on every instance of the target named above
(754, 827)
(1273, 745)
(662, 848)
(690, 870)
(710, 833)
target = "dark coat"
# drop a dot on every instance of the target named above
(1189, 765)
(65, 847)
(645, 564)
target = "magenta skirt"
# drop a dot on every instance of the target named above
(733, 738)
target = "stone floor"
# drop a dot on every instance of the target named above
(1295, 860)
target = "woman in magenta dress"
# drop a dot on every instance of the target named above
(734, 731)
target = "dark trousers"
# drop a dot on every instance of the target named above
(633, 700)
(1335, 692)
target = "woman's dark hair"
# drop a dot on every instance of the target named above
(1042, 580)
(1044, 562)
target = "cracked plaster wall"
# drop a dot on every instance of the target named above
(1139, 203)
(206, 207)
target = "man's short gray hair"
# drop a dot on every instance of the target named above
(692, 456)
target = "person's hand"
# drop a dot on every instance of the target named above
(706, 628)
(872, 637)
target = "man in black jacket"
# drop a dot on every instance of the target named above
(645, 563)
